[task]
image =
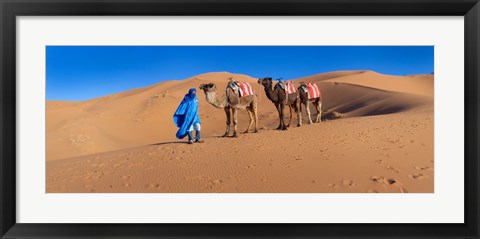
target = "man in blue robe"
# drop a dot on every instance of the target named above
(186, 117)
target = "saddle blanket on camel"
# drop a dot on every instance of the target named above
(288, 86)
(241, 88)
(312, 90)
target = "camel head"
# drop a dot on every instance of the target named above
(266, 81)
(210, 87)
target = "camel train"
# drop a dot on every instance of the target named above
(240, 96)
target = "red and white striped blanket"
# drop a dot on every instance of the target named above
(241, 88)
(245, 89)
(313, 91)
(290, 89)
(288, 86)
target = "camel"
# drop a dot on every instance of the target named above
(317, 102)
(280, 99)
(231, 101)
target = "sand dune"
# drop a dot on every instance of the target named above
(412, 84)
(125, 142)
(355, 100)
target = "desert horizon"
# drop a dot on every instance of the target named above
(376, 136)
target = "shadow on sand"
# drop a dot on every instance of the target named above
(186, 142)
(175, 142)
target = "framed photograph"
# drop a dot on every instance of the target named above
(248, 119)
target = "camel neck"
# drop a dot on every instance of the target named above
(270, 95)
(213, 99)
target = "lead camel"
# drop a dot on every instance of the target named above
(230, 101)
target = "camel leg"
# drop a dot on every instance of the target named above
(227, 113)
(290, 119)
(299, 113)
(308, 112)
(282, 109)
(256, 116)
(235, 121)
(319, 110)
(279, 116)
(251, 120)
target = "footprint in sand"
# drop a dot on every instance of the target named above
(325, 156)
(98, 165)
(152, 185)
(423, 168)
(251, 166)
(348, 183)
(298, 158)
(323, 150)
(417, 176)
(214, 183)
(393, 141)
(389, 181)
(117, 165)
(393, 169)
(333, 186)
(287, 165)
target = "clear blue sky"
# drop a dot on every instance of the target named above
(85, 72)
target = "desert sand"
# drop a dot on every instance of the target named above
(381, 140)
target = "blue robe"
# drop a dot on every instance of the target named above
(186, 114)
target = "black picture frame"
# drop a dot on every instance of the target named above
(10, 9)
